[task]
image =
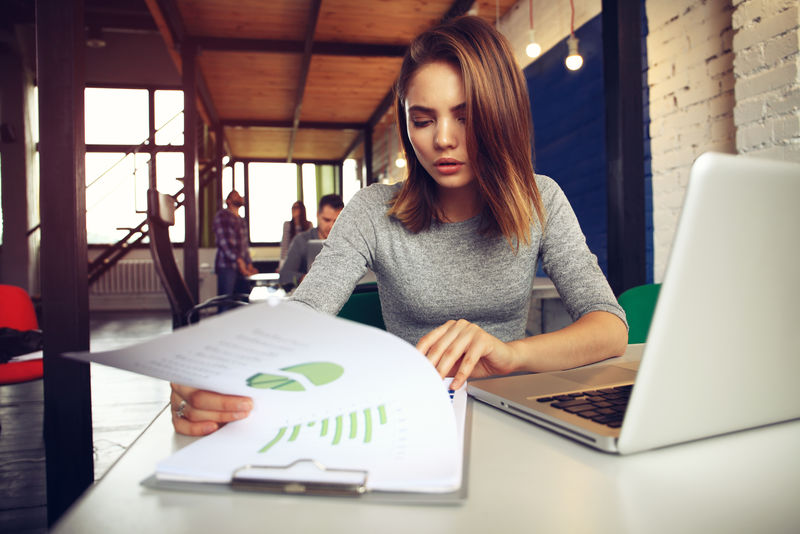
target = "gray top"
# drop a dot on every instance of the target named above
(451, 271)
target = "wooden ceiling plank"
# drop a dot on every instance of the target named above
(233, 44)
(255, 123)
(313, 17)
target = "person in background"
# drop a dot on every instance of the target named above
(455, 247)
(232, 263)
(296, 266)
(299, 223)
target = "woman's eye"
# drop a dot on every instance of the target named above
(421, 123)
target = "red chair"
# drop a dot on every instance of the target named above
(16, 311)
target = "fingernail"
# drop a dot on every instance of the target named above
(240, 415)
(245, 406)
(208, 428)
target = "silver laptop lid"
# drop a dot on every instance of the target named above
(314, 248)
(723, 351)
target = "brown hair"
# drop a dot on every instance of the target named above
(302, 220)
(499, 130)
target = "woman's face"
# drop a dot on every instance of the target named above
(295, 212)
(435, 108)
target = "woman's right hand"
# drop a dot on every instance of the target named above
(197, 412)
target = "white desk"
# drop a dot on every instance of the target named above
(521, 479)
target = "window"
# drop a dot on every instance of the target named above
(116, 116)
(310, 192)
(272, 188)
(112, 196)
(118, 152)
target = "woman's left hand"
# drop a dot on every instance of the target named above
(468, 350)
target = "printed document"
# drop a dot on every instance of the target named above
(345, 395)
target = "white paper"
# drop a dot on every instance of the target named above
(343, 394)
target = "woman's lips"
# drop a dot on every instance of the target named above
(448, 165)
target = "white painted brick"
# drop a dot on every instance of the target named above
(749, 111)
(660, 13)
(700, 50)
(780, 48)
(783, 102)
(717, 22)
(720, 65)
(721, 104)
(774, 25)
(755, 10)
(663, 143)
(784, 128)
(660, 72)
(666, 33)
(727, 41)
(696, 94)
(669, 87)
(722, 129)
(779, 77)
(753, 135)
(749, 60)
(691, 138)
(726, 146)
(726, 83)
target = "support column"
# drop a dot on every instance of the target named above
(622, 73)
(190, 253)
(15, 262)
(65, 297)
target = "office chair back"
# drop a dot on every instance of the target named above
(364, 306)
(160, 216)
(639, 303)
(17, 312)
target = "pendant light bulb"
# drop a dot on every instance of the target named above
(533, 49)
(574, 60)
(400, 162)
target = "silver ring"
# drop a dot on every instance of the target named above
(179, 411)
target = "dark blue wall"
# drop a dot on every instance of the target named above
(569, 130)
(568, 111)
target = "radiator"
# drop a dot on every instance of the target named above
(128, 277)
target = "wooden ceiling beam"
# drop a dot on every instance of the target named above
(310, 125)
(458, 8)
(311, 27)
(233, 44)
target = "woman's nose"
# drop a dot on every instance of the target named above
(445, 134)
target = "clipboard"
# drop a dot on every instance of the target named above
(307, 477)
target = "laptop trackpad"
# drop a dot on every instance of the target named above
(601, 375)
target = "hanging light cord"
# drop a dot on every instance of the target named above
(572, 18)
(530, 11)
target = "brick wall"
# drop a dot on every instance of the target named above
(766, 68)
(691, 83)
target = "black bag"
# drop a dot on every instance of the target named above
(16, 342)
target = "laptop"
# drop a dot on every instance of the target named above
(314, 248)
(723, 350)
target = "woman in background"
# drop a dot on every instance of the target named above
(455, 247)
(299, 223)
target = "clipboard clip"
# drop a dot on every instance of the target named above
(301, 477)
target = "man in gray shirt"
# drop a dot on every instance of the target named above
(296, 265)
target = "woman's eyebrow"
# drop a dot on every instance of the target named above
(422, 109)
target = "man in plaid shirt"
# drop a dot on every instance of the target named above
(233, 262)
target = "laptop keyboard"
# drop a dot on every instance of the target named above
(605, 406)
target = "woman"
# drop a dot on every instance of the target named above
(455, 246)
(299, 223)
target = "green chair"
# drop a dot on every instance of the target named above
(639, 303)
(364, 306)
